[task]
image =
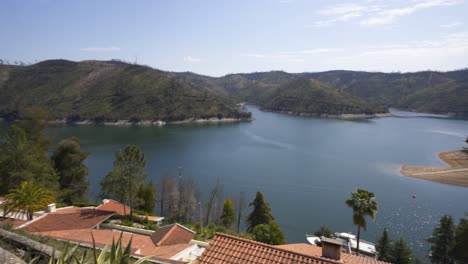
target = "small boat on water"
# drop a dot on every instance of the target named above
(365, 247)
(314, 240)
(350, 241)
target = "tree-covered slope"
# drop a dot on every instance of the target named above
(286, 92)
(107, 91)
(306, 96)
(439, 92)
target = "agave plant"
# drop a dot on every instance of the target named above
(116, 254)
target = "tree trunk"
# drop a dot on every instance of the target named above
(358, 237)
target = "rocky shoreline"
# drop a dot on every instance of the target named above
(338, 116)
(150, 122)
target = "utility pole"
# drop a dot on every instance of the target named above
(239, 214)
(201, 224)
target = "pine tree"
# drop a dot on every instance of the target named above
(123, 182)
(384, 246)
(228, 217)
(68, 160)
(442, 241)
(147, 197)
(261, 213)
(400, 253)
(459, 251)
(24, 154)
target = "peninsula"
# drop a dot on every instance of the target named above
(455, 174)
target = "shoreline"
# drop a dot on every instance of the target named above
(455, 173)
(345, 116)
(158, 123)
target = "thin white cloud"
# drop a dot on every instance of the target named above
(101, 49)
(451, 25)
(372, 14)
(191, 59)
(442, 53)
(391, 15)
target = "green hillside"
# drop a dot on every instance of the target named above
(305, 96)
(107, 91)
(428, 91)
(286, 92)
(113, 90)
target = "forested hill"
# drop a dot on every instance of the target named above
(426, 91)
(113, 90)
(285, 92)
(107, 91)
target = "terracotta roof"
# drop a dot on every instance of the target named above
(172, 234)
(315, 251)
(230, 249)
(141, 245)
(68, 218)
(114, 206)
(12, 222)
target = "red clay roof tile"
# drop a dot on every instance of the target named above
(114, 206)
(230, 249)
(315, 251)
(140, 243)
(172, 234)
(68, 218)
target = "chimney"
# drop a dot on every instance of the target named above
(51, 208)
(104, 201)
(331, 248)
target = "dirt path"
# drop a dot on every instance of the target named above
(456, 173)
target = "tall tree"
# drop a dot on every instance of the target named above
(363, 204)
(400, 253)
(28, 198)
(442, 241)
(169, 197)
(24, 154)
(269, 233)
(229, 216)
(68, 160)
(188, 200)
(213, 200)
(261, 213)
(384, 246)
(127, 175)
(459, 251)
(147, 197)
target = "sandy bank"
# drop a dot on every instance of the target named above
(456, 173)
(150, 122)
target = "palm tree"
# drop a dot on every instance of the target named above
(27, 199)
(363, 204)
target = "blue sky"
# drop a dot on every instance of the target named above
(216, 37)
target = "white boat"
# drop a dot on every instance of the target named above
(314, 240)
(365, 247)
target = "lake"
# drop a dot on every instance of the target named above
(306, 167)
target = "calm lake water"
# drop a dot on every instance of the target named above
(306, 167)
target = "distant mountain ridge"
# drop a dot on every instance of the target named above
(426, 91)
(113, 90)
